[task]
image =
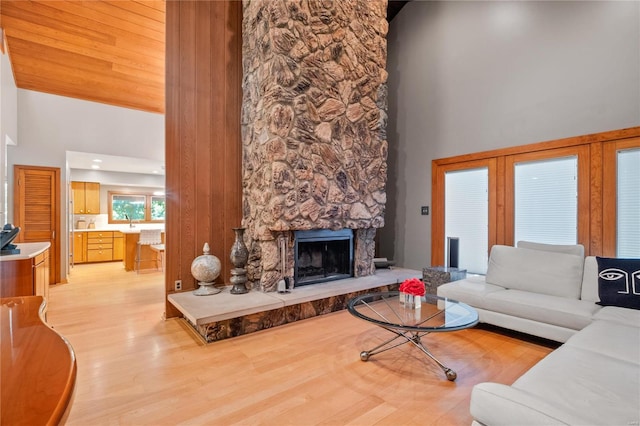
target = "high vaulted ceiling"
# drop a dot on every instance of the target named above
(104, 51)
(109, 51)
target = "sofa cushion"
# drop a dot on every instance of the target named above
(575, 249)
(498, 404)
(611, 339)
(624, 316)
(619, 282)
(591, 385)
(471, 290)
(561, 311)
(555, 274)
(590, 280)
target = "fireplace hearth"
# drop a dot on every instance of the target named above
(322, 255)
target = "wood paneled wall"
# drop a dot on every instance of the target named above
(203, 146)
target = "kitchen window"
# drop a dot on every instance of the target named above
(138, 208)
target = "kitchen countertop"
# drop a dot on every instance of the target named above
(126, 230)
(27, 251)
(136, 230)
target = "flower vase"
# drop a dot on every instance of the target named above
(410, 301)
(239, 257)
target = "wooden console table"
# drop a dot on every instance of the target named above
(38, 365)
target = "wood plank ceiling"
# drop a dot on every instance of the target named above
(104, 51)
(109, 51)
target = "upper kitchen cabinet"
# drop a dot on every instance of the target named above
(86, 197)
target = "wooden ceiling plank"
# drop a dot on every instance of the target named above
(102, 52)
(159, 5)
(44, 17)
(104, 13)
(98, 13)
(57, 56)
(124, 69)
(135, 97)
(141, 100)
(105, 51)
(141, 9)
(41, 34)
(51, 19)
(70, 71)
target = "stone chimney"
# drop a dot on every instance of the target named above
(313, 126)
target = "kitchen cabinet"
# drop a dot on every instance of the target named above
(79, 247)
(99, 246)
(41, 275)
(86, 197)
(118, 246)
(27, 273)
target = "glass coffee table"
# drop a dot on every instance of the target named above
(408, 324)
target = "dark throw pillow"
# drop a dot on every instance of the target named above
(619, 282)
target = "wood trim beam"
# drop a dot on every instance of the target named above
(630, 132)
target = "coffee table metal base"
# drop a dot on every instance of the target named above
(408, 337)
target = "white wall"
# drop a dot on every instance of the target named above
(8, 126)
(466, 77)
(50, 125)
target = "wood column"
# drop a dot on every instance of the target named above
(203, 146)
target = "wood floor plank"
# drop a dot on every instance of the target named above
(135, 368)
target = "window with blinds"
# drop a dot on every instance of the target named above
(467, 216)
(628, 203)
(546, 201)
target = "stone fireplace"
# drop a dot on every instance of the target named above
(322, 255)
(313, 128)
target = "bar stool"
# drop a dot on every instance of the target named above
(148, 237)
(159, 250)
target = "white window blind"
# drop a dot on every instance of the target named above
(628, 204)
(467, 216)
(546, 201)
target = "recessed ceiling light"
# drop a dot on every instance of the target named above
(95, 166)
(155, 171)
(97, 160)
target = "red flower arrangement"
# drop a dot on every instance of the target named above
(412, 286)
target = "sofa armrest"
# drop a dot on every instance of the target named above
(495, 404)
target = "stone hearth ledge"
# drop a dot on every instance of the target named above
(202, 310)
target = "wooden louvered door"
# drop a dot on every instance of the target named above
(36, 211)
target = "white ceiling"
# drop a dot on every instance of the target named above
(113, 163)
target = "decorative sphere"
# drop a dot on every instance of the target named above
(206, 268)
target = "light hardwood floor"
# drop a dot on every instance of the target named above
(136, 368)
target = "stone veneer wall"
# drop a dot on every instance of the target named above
(313, 125)
(220, 330)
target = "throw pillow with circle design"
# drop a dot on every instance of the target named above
(619, 282)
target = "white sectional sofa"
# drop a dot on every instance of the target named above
(551, 292)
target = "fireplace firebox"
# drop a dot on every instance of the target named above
(322, 255)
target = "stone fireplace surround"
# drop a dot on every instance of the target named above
(313, 127)
(314, 147)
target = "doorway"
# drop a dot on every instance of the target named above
(37, 210)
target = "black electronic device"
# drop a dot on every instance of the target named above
(7, 235)
(453, 251)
